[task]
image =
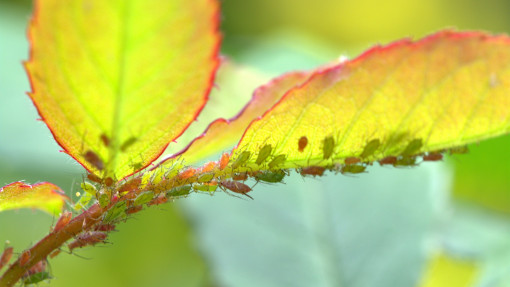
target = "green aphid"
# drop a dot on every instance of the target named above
(206, 177)
(104, 200)
(459, 150)
(89, 188)
(264, 153)
(278, 160)
(144, 197)
(36, 278)
(174, 170)
(205, 187)
(84, 201)
(413, 147)
(158, 176)
(179, 191)
(270, 176)
(329, 145)
(241, 159)
(406, 161)
(117, 211)
(354, 168)
(370, 148)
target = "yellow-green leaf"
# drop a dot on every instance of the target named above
(443, 270)
(233, 88)
(116, 81)
(401, 100)
(44, 196)
(222, 133)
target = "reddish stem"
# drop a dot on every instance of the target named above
(51, 242)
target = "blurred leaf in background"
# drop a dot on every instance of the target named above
(378, 228)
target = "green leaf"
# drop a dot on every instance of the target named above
(441, 92)
(482, 178)
(116, 81)
(44, 196)
(331, 232)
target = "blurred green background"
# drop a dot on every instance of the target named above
(441, 224)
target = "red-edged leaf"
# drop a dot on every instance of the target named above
(116, 81)
(44, 196)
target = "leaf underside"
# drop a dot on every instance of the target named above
(45, 196)
(116, 81)
(403, 100)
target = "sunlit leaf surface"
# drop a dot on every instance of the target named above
(401, 100)
(222, 133)
(44, 196)
(115, 81)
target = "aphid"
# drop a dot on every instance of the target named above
(264, 153)
(302, 143)
(179, 191)
(187, 173)
(105, 227)
(84, 200)
(131, 185)
(105, 139)
(370, 148)
(270, 176)
(6, 256)
(433, 157)
(224, 161)
(208, 166)
(134, 209)
(54, 253)
(353, 169)
(88, 188)
(144, 197)
(103, 199)
(24, 258)
(329, 144)
(406, 161)
(157, 201)
(117, 211)
(128, 143)
(237, 187)
(205, 177)
(94, 178)
(312, 170)
(352, 160)
(108, 181)
(459, 150)
(89, 238)
(36, 273)
(36, 278)
(207, 187)
(240, 176)
(388, 160)
(94, 159)
(412, 148)
(278, 160)
(63, 221)
(241, 159)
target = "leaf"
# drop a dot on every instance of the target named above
(404, 99)
(482, 177)
(331, 232)
(222, 133)
(444, 270)
(116, 81)
(45, 196)
(233, 88)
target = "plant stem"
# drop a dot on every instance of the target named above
(51, 242)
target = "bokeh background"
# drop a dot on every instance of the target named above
(439, 224)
